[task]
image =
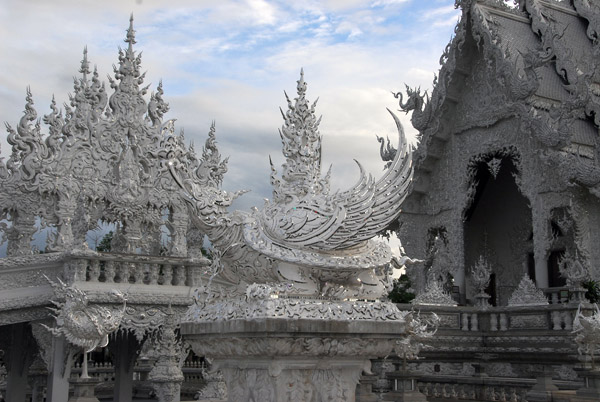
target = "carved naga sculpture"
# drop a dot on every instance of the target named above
(317, 241)
(81, 323)
(386, 151)
(415, 102)
(84, 325)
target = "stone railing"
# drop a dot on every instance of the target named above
(112, 268)
(505, 343)
(474, 389)
(25, 291)
(105, 372)
(501, 319)
(557, 295)
(482, 389)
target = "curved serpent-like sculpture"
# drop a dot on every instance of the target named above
(317, 240)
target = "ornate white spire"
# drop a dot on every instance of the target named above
(105, 161)
(301, 147)
(85, 65)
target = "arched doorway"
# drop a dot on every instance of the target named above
(497, 223)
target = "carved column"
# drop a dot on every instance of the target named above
(65, 211)
(38, 375)
(166, 375)
(19, 351)
(124, 348)
(20, 234)
(194, 242)
(132, 233)
(178, 225)
(540, 218)
(61, 361)
(457, 247)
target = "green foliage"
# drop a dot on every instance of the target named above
(400, 293)
(104, 245)
(592, 291)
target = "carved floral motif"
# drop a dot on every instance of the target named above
(230, 307)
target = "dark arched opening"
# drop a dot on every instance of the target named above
(497, 225)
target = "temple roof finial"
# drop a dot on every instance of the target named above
(130, 38)
(85, 65)
(301, 83)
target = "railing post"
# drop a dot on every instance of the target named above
(94, 270)
(179, 279)
(556, 320)
(138, 272)
(465, 321)
(167, 274)
(568, 320)
(503, 322)
(153, 274)
(474, 322)
(109, 272)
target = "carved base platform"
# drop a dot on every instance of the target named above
(83, 390)
(292, 359)
(404, 388)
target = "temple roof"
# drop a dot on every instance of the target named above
(541, 57)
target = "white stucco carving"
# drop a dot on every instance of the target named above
(527, 294)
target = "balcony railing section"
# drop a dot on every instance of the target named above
(555, 317)
(137, 269)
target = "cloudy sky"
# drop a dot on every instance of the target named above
(230, 61)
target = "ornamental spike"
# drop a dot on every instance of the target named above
(130, 38)
(85, 65)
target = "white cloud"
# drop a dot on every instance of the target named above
(379, 3)
(348, 28)
(263, 12)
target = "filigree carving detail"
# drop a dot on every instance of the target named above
(218, 347)
(166, 375)
(101, 160)
(228, 307)
(527, 294)
(434, 294)
(573, 269)
(480, 274)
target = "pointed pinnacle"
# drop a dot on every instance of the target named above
(130, 38)
(301, 88)
(85, 65)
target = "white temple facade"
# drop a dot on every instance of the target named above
(507, 167)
